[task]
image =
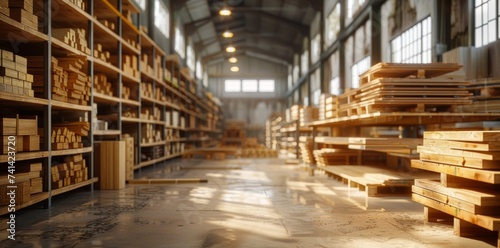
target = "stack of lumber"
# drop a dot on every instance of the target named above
(295, 112)
(108, 23)
(154, 115)
(486, 98)
(74, 37)
(70, 171)
(334, 156)
(146, 68)
(129, 156)
(306, 150)
(401, 146)
(79, 3)
(110, 164)
(473, 59)
(159, 95)
(28, 181)
(24, 129)
(308, 114)
(22, 11)
(167, 75)
(469, 163)
(132, 42)
(99, 53)
(96, 123)
(69, 135)
(4, 8)
(129, 112)
(159, 73)
(130, 66)
(150, 153)
(260, 152)
(147, 90)
(322, 106)
(102, 85)
(14, 77)
(389, 87)
(69, 82)
(126, 92)
(171, 134)
(149, 134)
(331, 107)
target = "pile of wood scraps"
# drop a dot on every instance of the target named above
(69, 135)
(71, 170)
(14, 77)
(469, 164)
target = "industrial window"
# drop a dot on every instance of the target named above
(315, 48)
(162, 18)
(249, 85)
(335, 86)
(304, 63)
(315, 87)
(266, 85)
(179, 42)
(296, 71)
(358, 69)
(353, 6)
(414, 44)
(205, 79)
(232, 85)
(191, 60)
(141, 3)
(199, 70)
(485, 22)
(332, 26)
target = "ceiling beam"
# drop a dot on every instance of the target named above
(302, 28)
(242, 49)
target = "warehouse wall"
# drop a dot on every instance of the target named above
(251, 107)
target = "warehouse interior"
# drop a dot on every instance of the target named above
(250, 123)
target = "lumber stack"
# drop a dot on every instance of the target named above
(154, 115)
(159, 73)
(306, 150)
(72, 170)
(159, 96)
(22, 11)
(28, 182)
(150, 153)
(146, 90)
(14, 77)
(79, 3)
(110, 164)
(130, 66)
(469, 164)
(390, 87)
(486, 98)
(146, 67)
(130, 112)
(295, 112)
(102, 85)
(101, 54)
(308, 114)
(108, 23)
(149, 134)
(334, 156)
(69, 81)
(69, 135)
(74, 37)
(4, 8)
(96, 123)
(25, 131)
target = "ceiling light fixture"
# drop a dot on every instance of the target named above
(235, 69)
(233, 60)
(225, 12)
(227, 34)
(230, 49)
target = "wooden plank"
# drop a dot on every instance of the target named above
(460, 161)
(488, 222)
(110, 163)
(487, 176)
(464, 145)
(469, 136)
(166, 181)
(459, 153)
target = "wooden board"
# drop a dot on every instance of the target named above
(464, 145)
(488, 222)
(469, 136)
(459, 153)
(487, 176)
(480, 197)
(460, 161)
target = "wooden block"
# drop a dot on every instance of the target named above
(8, 72)
(22, 193)
(31, 143)
(8, 64)
(25, 4)
(36, 185)
(33, 167)
(8, 126)
(28, 126)
(7, 55)
(5, 142)
(24, 17)
(463, 228)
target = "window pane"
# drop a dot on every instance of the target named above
(335, 86)
(162, 18)
(491, 31)
(232, 85)
(266, 85)
(249, 85)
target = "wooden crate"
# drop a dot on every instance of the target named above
(110, 164)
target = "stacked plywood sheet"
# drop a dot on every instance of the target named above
(69, 135)
(102, 85)
(486, 98)
(74, 37)
(25, 132)
(334, 156)
(469, 163)
(22, 11)
(72, 170)
(388, 87)
(14, 77)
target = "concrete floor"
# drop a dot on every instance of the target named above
(264, 204)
